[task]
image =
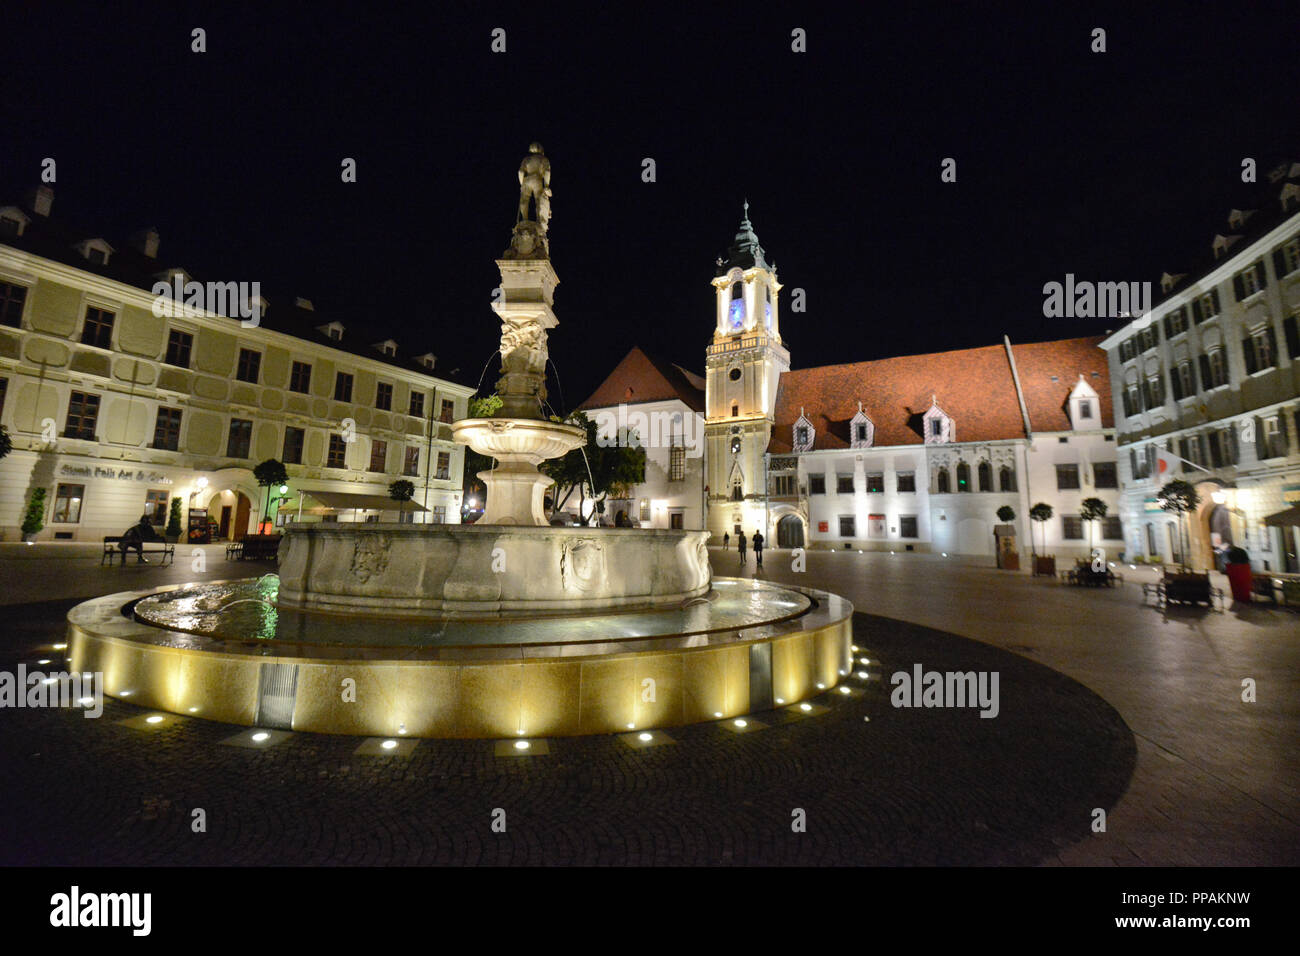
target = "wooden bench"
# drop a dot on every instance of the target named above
(1178, 589)
(235, 551)
(1085, 576)
(259, 547)
(113, 547)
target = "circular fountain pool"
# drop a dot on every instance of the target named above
(225, 651)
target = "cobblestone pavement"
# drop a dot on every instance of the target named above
(918, 786)
(1217, 780)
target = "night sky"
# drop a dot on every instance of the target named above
(1112, 166)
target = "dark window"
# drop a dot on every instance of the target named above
(342, 387)
(4, 390)
(444, 465)
(384, 397)
(1183, 382)
(417, 405)
(448, 411)
(936, 427)
(1007, 478)
(1292, 333)
(378, 455)
(985, 472)
(677, 463)
(816, 484)
(293, 442)
(675, 521)
(1103, 474)
(179, 345)
(1176, 322)
(12, 298)
(848, 526)
(875, 484)
(1111, 529)
(67, 503)
(83, 411)
(801, 433)
(1067, 477)
(861, 431)
(167, 429)
(300, 377)
(240, 439)
(338, 453)
(1071, 527)
(411, 466)
(907, 481)
(941, 481)
(963, 477)
(1085, 408)
(1260, 350)
(907, 526)
(98, 328)
(844, 484)
(250, 366)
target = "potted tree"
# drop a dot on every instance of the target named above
(1041, 513)
(1005, 538)
(34, 518)
(1090, 510)
(1185, 585)
(269, 473)
(401, 491)
(173, 532)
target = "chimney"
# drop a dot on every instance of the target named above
(146, 241)
(41, 199)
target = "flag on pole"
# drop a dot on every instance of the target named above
(1166, 464)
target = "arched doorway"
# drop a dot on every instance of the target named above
(230, 509)
(789, 532)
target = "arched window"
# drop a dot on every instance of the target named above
(737, 290)
(986, 476)
(737, 489)
(963, 477)
(1007, 479)
(942, 482)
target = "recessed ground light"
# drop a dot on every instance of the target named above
(631, 726)
(401, 728)
(44, 661)
(125, 693)
(805, 707)
(844, 690)
(260, 736)
(854, 647)
(780, 700)
(155, 719)
(821, 686)
(843, 672)
(522, 745)
(863, 675)
(194, 710)
(740, 723)
(867, 719)
(945, 554)
(864, 660)
(389, 744)
(645, 736)
(717, 713)
(891, 552)
(60, 647)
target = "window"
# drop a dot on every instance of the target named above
(1148, 339)
(439, 514)
(1289, 328)
(816, 484)
(179, 345)
(1184, 385)
(96, 256)
(907, 481)
(411, 465)
(907, 526)
(155, 506)
(737, 489)
(1249, 281)
(1111, 529)
(293, 442)
(384, 397)
(936, 427)
(677, 463)
(963, 477)
(734, 375)
(338, 453)
(378, 455)
(1144, 463)
(1067, 477)
(1104, 475)
(844, 484)
(645, 509)
(1006, 478)
(941, 481)
(1286, 259)
(1206, 307)
(801, 433)
(848, 526)
(1176, 322)
(1153, 391)
(1085, 408)
(783, 486)
(676, 520)
(985, 472)
(4, 390)
(167, 429)
(876, 526)
(1274, 441)
(250, 366)
(416, 408)
(83, 411)
(342, 387)
(67, 504)
(300, 377)
(876, 484)
(98, 328)
(444, 465)
(1071, 527)
(1214, 369)
(1260, 350)
(447, 411)
(1128, 349)
(1132, 398)
(12, 298)
(240, 439)
(860, 432)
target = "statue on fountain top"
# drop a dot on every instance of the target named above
(529, 240)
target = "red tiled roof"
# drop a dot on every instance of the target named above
(973, 387)
(641, 378)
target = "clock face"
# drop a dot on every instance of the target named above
(735, 445)
(737, 314)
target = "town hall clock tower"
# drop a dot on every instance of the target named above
(744, 364)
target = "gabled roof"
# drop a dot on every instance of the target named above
(642, 378)
(972, 386)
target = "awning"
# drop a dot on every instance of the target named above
(351, 501)
(1284, 519)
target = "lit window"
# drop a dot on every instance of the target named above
(67, 503)
(167, 429)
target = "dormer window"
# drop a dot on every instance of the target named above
(1223, 243)
(427, 360)
(861, 430)
(1290, 196)
(1084, 403)
(1237, 217)
(12, 221)
(804, 433)
(95, 251)
(1169, 280)
(938, 428)
(332, 331)
(387, 347)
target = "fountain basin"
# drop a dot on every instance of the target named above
(515, 488)
(448, 570)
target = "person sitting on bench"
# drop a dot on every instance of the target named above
(135, 537)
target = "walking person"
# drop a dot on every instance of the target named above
(740, 546)
(758, 549)
(726, 540)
